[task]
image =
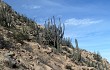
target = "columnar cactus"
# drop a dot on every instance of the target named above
(53, 33)
(76, 42)
(77, 52)
(5, 17)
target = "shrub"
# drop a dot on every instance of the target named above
(67, 42)
(97, 56)
(3, 43)
(68, 67)
(20, 36)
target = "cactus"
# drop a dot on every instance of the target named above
(67, 42)
(76, 42)
(37, 33)
(76, 53)
(5, 16)
(97, 56)
(53, 33)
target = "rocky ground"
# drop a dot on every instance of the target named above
(33, 56)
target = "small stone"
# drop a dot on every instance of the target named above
(11, 54)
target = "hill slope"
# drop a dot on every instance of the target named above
(23, 47)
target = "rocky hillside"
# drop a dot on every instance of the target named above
(25, 45)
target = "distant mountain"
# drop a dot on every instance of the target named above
(25, 45)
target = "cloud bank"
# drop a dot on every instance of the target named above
(31, 6)
(76, 22)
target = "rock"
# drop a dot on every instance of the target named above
(10, 62)
(18, 44)
(11, 54)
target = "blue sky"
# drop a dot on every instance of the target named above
(86, 20)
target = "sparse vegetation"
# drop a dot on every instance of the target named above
(18, 29)
(4, 43)
(97, 56)
(77, 53)
(67, 42)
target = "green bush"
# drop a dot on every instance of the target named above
(20, 36)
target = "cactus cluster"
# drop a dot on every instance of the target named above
(53, 33)
(5, 16)
(98, 65)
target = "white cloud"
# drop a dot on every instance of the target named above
(35, 7)
(31, 6)
(76, 22)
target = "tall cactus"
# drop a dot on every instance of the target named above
(54, 33)
(37, 32)
(5, 16)
(76, 42)
(78, 57)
